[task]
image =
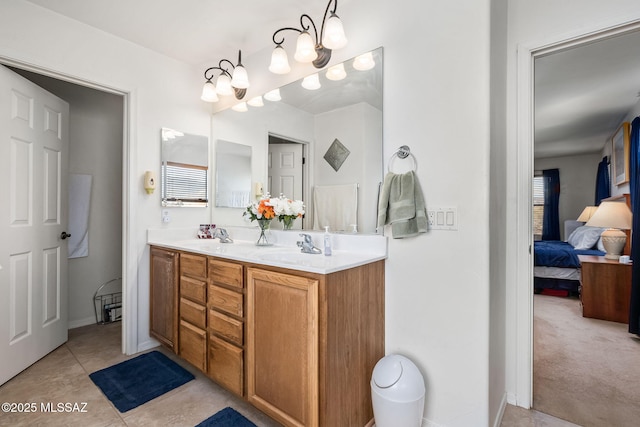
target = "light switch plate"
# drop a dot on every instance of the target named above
(443, 218)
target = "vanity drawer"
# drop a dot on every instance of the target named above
(226, 327)
(225, 273)
(193, 313)
(226, 300)
(193, 265)
(226, 364)
(193, 345)
(193, 289)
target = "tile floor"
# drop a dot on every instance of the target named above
(62, 377)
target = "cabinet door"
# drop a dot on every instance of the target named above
(282, 346)
(226, 364)
(164, 297)
(193, 345)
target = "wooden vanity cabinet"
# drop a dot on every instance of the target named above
(226, 324)
(163, 322)
(312, 343)
(193, 309)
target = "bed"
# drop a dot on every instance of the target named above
(556, 263)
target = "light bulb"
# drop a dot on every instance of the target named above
(279, 61)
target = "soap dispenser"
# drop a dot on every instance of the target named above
(327, 241)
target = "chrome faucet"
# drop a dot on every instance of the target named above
(221, 233)
(307, 246)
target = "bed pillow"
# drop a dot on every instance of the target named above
(585, 237)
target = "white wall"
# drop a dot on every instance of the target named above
(436, 100)
(532, 25)
(577, 183)
(624, 188)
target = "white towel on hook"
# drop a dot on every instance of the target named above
(335, 206)
(79, 206)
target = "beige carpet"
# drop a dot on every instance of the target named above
(586, 371)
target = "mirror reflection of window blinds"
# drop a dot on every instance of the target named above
(184, 182)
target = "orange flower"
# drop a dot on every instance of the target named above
(266, 210)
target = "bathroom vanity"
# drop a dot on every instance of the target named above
(297, 335)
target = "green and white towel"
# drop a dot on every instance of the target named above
(401, 204)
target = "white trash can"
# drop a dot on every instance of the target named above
(397, 392)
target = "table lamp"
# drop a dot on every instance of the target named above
(615, 216)
(587, 213)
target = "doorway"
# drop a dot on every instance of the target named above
(97, 123)
(525, 142)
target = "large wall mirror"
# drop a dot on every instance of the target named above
(337, 130)
(184, 169)
(233, 174)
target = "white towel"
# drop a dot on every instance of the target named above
(79, 205)
(335, 206)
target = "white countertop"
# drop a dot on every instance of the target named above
(348, 250)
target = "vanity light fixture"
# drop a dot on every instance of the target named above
(311, 82)
(318, 50)
(235, 82)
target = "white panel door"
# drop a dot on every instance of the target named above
(285, 172)
(34, 145)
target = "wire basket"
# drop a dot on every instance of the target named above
(108, 305)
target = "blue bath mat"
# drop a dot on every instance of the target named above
(228, 417)
(136, 381)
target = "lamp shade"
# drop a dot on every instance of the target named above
(611, 215)
(273, 95)
(336, 72)
(305, 48)
(240, 107)
(587, 213)
(334, 37)
(311, 82)
(364, 62)
(256, 101)
(223, 85)
(209, 92)
(279, 61)
(240, 78)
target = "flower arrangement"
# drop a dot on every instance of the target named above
(286, 210)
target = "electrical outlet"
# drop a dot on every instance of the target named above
(165, 216)
(442, 218)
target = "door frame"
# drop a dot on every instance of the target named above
(522, 256)
(129, 248)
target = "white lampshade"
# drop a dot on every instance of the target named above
(364, 62)
(256, 101)
(334, 37)
(223, 85)
(587, 213)
(273, 95)
(305, 48)
(240, 107)
(336, 72)
(279, 61)
(311, 82)
(240, 78)
(614, 216)
(209, 92)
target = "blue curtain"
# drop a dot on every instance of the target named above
(551, 219)
(603, 185)
(634, 184)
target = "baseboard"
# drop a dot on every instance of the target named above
(72, 324)
(147, 345)
(503, 406)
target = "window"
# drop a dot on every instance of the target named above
(538, 205)
(184, 185)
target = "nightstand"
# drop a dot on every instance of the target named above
(606, 288)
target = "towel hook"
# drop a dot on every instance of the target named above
(403, 152)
